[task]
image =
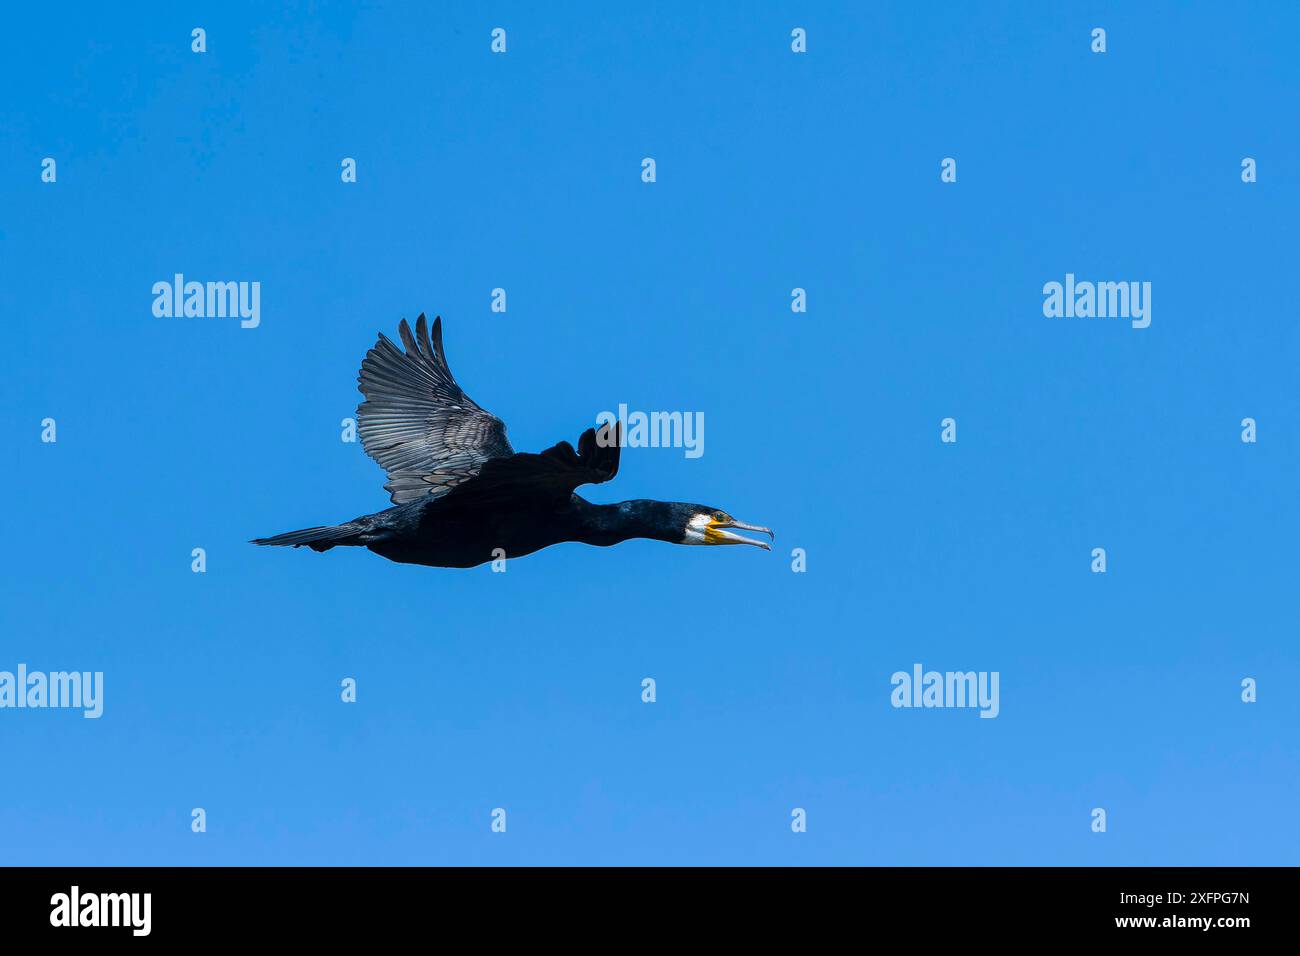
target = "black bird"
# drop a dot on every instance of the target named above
(463, 496)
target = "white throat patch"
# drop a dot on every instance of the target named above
(695, 529)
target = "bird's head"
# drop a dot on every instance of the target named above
(704, 525)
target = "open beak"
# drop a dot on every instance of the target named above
(717, 535)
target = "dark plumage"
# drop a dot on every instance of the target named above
(463, 496)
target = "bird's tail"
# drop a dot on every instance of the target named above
(318, 539)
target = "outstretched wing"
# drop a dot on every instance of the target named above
(553, 474)
(417, 423)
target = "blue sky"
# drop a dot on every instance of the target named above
(774, 170)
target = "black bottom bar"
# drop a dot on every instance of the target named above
(334, 905)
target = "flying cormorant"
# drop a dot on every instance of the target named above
(463, 496)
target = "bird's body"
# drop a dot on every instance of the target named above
(463, 496)
(438, 533)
